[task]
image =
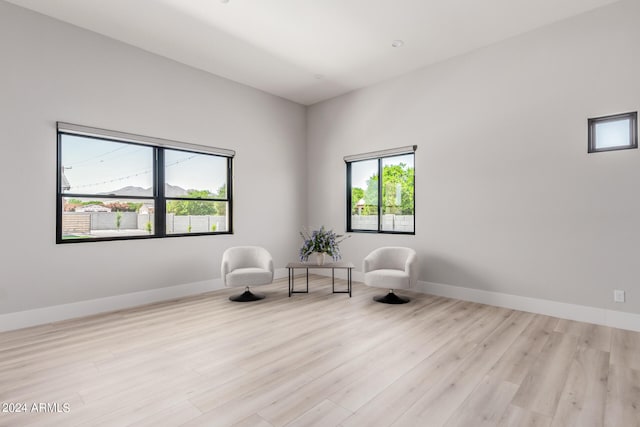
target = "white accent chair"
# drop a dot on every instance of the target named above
(245, 266)
(391, 267)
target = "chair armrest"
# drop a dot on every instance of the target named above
(264, 260)
(224, 270)
(411, 268)
(368, 264)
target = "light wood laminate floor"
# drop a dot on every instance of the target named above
(321, 359)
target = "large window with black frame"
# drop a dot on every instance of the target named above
(115, 186)
(381, 191)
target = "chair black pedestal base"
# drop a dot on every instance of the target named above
(246, 296)
(391, 298)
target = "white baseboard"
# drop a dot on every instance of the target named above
(40, 316)
(581, 313)
(600, 316)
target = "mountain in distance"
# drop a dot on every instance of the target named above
(169, 191)
(174, 191)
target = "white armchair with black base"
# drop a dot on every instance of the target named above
(391, 268)
(246, 266)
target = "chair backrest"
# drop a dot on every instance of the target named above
(390, 257)
(246, 257)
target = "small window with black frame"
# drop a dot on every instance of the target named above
(381, 191)
(615, 132)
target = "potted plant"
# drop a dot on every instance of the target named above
(321, 242)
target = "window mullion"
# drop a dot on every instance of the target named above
(380, 195)
(349, 196)
(228, 195)
(160, 200)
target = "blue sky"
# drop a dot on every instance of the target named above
(97, 166)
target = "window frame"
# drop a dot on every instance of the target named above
(379, 156)
(159, 198)
(633, 131)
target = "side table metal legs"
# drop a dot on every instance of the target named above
(333, 282)
(292, 268)
(292, 284)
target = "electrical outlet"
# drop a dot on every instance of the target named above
(618, 295)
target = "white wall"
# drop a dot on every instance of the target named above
(507, 198)
(51, 71)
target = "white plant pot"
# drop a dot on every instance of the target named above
(319, 258)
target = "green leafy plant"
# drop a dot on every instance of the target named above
(148, 227)
(322, 241)
(214, 227)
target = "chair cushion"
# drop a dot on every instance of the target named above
(388, 257)
(249, 277)
(246, 256)
(387, 278)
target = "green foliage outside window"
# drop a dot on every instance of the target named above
(396, 179)
(195, 206)
(398, 185)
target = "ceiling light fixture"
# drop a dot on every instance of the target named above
(397, 43)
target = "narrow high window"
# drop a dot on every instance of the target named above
(616, 132)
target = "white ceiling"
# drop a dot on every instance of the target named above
(309, 50)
